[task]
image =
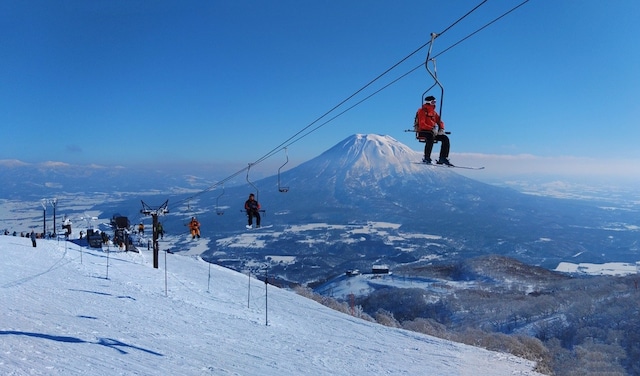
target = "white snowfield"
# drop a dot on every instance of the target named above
(63, 315)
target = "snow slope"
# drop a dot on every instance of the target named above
(68, 310)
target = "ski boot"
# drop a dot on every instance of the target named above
(445, 161)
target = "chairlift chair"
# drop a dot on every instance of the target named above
(251, 184)
(434, 74)
(218, 210)
(257, 194)
(280, 187)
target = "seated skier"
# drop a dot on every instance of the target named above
(425, 125)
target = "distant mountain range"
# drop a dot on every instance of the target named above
(366, 201)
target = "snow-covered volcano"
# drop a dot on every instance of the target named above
(362, 178)
(361, 154)
(374, 178)
(369, 161)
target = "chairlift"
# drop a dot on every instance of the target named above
(257, 194)
(253, 185)
(218, 210)
(89, 219)
(280, 187)
(434, 74)
(190, 210)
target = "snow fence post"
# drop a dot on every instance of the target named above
(266, 298)
(209, 278)
(249, 291)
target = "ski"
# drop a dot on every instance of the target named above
(257, 228)
(445, 166)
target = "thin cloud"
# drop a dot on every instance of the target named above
(12, 163)
(567, 166)
(53, 164)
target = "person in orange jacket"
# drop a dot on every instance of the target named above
(194, 226)
(425, 125)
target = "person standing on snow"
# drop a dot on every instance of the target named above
(253, 210)
(425, 125)
(67, 226)
(33, 238)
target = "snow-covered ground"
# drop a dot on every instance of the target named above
(609, 268)
(68, 310)
(364, 284)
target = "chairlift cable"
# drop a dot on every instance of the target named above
(429, 43)
(460, 19)
(277, 148)
(300, 135)
(482, 28)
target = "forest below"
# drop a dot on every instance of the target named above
(570, 325)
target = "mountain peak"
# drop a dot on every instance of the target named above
(372, 157)
(373, 151)
(371, 168)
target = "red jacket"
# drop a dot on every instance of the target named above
(427, 118)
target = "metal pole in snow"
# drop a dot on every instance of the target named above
(54, 202)
(209, 279)
(249, 290)
(108, 263)
(266, 299)
(44, 217)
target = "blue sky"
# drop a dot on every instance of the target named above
(224, 82)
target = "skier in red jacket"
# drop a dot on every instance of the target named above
(425, 125)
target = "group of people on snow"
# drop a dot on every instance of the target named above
(251, 206)
(27, 234)
(31, 235)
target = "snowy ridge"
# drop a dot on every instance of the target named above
(65, 313)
